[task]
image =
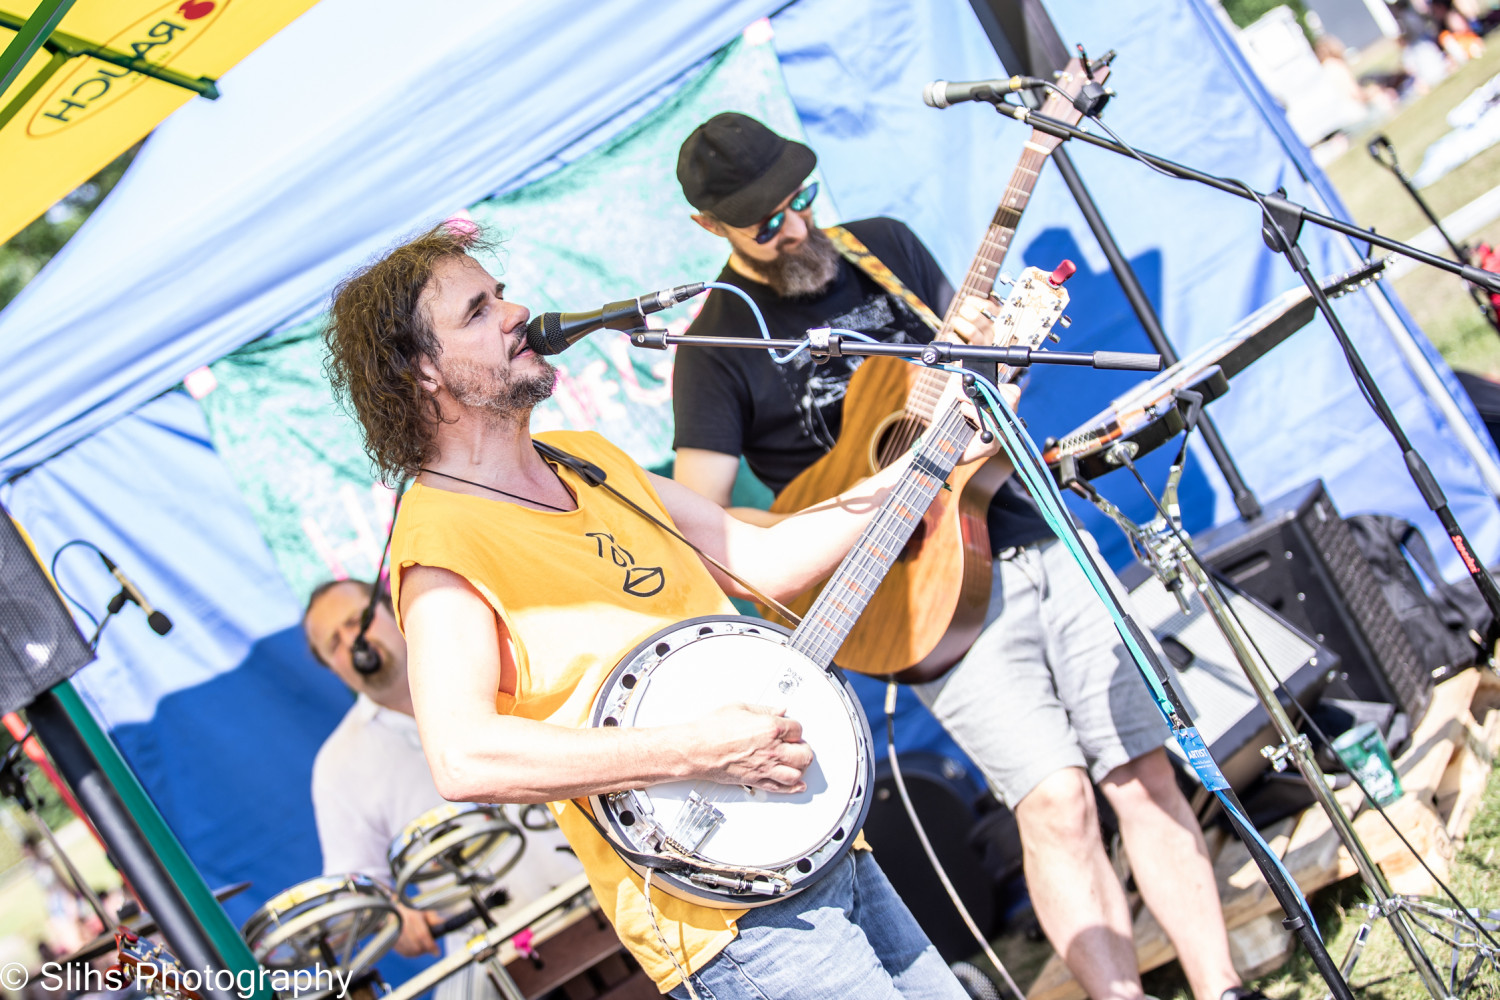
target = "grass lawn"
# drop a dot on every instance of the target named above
(1439, 302)
(1383, 972)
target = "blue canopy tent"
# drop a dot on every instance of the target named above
(369, 119)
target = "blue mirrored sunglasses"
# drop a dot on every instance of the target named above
(799, 203)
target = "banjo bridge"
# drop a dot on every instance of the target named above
(696, 822)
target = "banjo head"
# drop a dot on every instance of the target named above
(689, 671)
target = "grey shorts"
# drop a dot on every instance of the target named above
(1048, 684)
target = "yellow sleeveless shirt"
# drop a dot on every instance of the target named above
(577, 591)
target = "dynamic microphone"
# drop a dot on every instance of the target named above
(160, 623)
(362, 656)
(553, 333)
(941, 93)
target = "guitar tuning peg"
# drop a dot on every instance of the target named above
(1005, 279)
(1065, 321)
(1054, 338)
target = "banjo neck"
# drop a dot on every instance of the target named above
(829, 620)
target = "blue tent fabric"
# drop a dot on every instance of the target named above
(1295, 415)
(343, 132)
(221, 717)
(297, 176)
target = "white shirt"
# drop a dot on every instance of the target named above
(370, 779)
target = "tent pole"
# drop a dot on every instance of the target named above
(1145, 312)
(68, 729)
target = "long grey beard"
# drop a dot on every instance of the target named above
(806, 271)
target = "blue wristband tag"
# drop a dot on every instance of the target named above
(1201, 760)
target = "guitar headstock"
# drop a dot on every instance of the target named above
(1035, 305)
(151, 966)
(1071, 82)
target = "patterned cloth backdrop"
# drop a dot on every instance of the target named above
(610, 223)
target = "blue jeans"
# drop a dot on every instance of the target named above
(848, 936)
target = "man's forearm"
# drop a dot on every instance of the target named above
(509, 759)
(798, 551)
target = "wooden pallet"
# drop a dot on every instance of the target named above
(1443, 774)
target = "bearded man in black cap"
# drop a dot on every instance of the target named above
(1047, 702)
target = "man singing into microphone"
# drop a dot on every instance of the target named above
(1047, 698)
(508, 573)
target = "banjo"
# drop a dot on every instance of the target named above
(730, 846)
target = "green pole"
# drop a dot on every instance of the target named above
(224, 935)
(31, 35)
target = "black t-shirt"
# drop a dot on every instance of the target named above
(783, 418)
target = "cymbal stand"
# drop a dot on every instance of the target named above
(1162, 546)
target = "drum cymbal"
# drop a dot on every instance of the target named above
(140, 923)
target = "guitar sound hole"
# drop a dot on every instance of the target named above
(804, 866)
(896, 439)
(627, 818)
(611, 721)
(628, 681)
(663, 648)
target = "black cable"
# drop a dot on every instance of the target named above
(57, 581)
(927, 848)
(1281, 687)
(362, 658)
(1279, 241)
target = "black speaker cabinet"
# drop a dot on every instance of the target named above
(39, 644)
(1209, 679)
(1299, 559)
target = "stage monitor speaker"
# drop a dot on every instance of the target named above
(39, 644)
(1299, 559)
(1207, 676)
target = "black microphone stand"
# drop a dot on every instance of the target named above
(1283, 221)
(982, 361)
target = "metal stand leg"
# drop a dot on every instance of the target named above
(1161, 543)
(1458, 929)
(504, 985)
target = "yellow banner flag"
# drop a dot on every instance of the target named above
(70, 113)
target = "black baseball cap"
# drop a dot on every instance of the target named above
(738, 171)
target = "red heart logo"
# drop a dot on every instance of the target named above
(194, 9)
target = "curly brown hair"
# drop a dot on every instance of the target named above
(377, 334)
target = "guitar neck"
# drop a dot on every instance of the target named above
(980, 279)
(828, 622)
(992, 249)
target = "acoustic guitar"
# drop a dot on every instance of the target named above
(736, 846)
(931, 606)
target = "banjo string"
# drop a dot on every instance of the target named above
(863, 561)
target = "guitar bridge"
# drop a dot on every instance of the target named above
(696, 822)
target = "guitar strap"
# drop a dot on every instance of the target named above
(856, 253)
(594, 476)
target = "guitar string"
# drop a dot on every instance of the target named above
(862, 564)
(911, 494)
(926, 394)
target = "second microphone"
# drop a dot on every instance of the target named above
(553, 333)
